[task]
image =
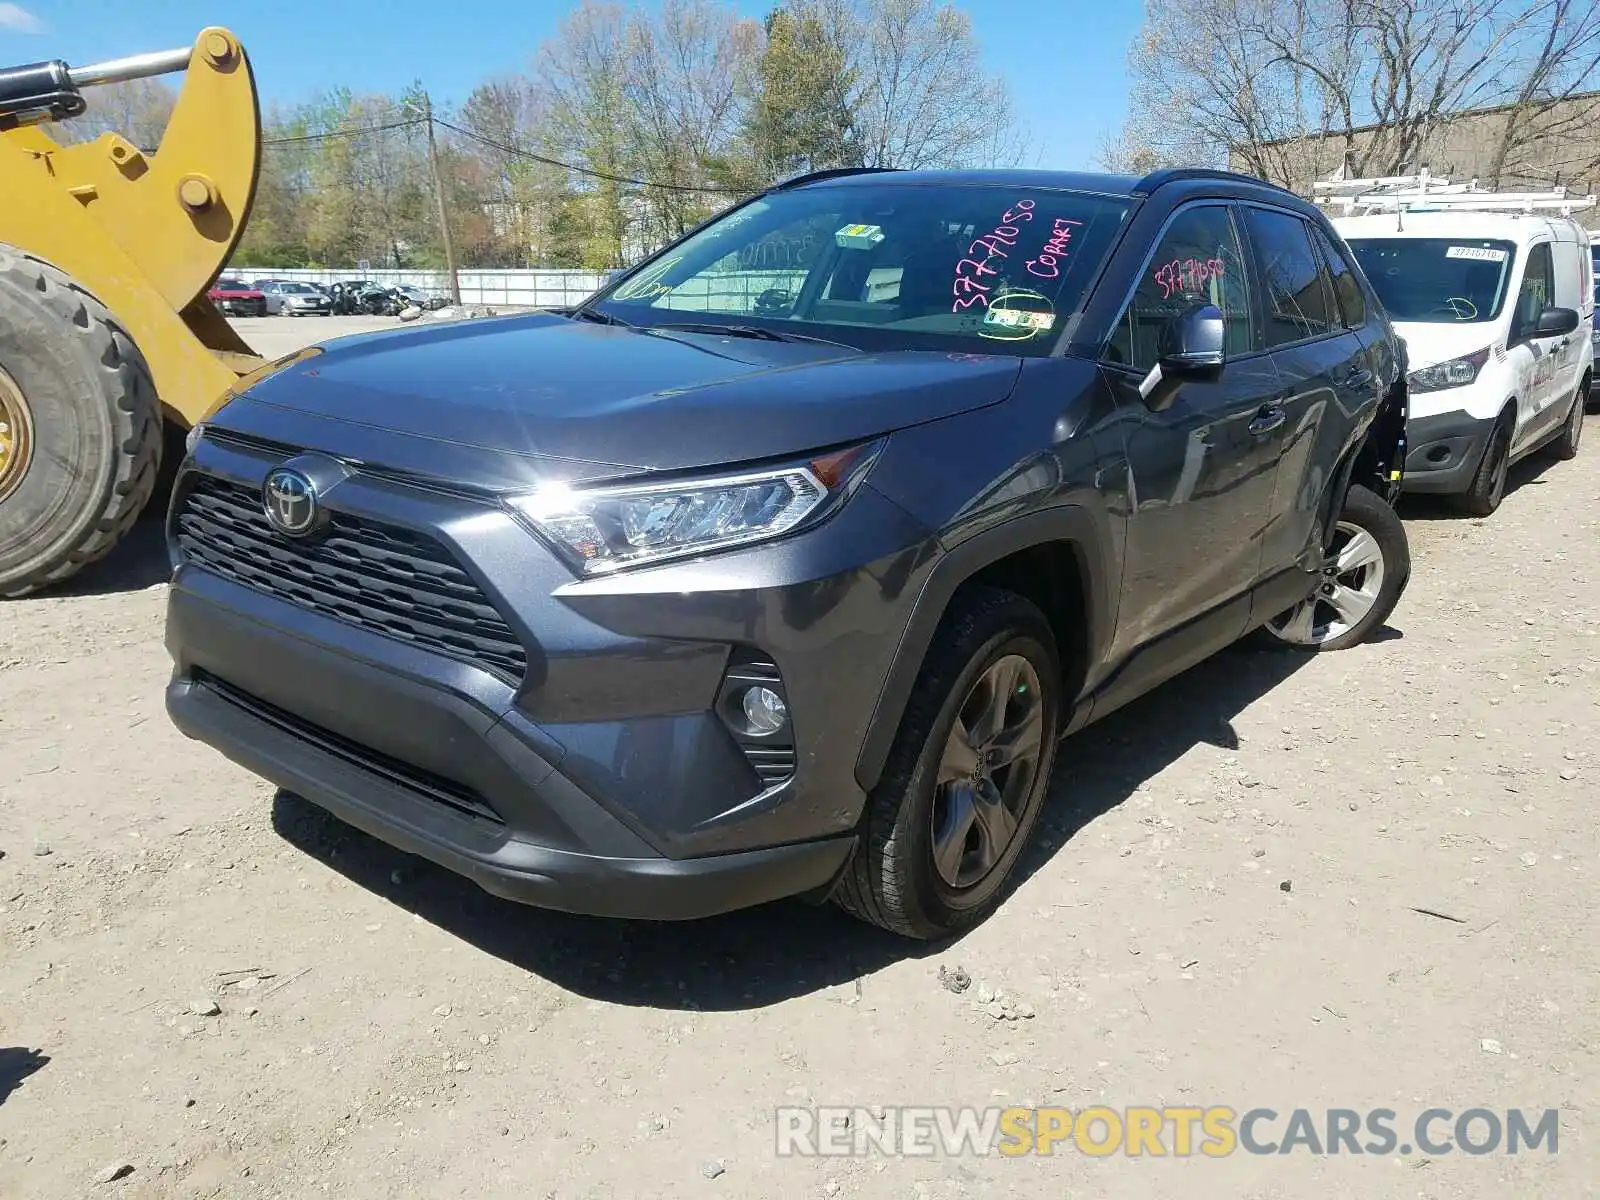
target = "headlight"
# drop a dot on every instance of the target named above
(606, 528)
(1457, 372)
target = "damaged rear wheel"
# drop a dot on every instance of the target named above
(1365, 571)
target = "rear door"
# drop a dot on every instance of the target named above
(1201, 472)
(1328, 385)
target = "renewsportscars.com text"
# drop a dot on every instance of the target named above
(1178, 1132)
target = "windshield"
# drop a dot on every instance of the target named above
(299, 289)
(1440, 280)
(886, 266)
(233, 285)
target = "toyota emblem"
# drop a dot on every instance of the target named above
(290, 500)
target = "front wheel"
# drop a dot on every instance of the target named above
(1365, 571)
(1488, 486)
(966, 775)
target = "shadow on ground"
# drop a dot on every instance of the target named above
(765, 955)
(16, 1064)
(137, 562)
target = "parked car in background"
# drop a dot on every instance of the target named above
(236, 298)
(1497, 312)
(296, 299)
(410, 293)
(360, 296)
(720, 588)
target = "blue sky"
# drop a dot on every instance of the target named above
(1067, 74)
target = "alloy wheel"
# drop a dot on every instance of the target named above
(16, 435)
(1352, 578)
(990, 764)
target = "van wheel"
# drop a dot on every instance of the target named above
(1565, 446)
(1488, 485)
(967, 773)
(1367, 568)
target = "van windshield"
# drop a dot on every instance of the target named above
(885, 266)
(1442, 280)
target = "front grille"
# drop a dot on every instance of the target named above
(392, 581)
(413, 779)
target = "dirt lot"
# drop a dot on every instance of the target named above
(1221, 913)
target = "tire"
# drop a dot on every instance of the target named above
(96, 426)
(1488, 486)
(1565, 446)
(1371, 565)
(893, 880)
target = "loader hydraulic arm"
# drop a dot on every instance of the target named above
(146, 232)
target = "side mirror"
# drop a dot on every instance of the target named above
(1556, 322)
(1190, 347)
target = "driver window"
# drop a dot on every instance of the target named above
(1196, 262)
(1538, 286)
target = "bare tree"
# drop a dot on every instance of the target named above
(138, 110)
(1288, 89)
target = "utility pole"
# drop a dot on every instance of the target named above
(438, 195)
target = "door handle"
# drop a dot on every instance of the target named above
(1268, 417)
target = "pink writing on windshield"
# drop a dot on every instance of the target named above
(1048, 264)
(968, 290)
(1186, 273)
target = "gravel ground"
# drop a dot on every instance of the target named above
(208, 991)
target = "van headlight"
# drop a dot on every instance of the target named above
(603, 529)
(1455, 372)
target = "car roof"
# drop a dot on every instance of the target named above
(1197, 180)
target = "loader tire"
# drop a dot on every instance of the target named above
(84, 424)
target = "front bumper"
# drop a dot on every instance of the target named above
(1443, 451)
(602, 781)
(243, 308)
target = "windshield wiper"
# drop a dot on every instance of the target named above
(748, 331)
(600, 318)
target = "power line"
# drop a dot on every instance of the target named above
(342, 133)
(518, 152)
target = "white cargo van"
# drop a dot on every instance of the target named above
(1497, 311)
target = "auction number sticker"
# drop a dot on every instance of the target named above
(1476, 253)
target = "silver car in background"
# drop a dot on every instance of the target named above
(295, 299)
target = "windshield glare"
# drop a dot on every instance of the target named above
(887, 266)
(1437, 280)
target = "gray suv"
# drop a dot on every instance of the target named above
(782, 565)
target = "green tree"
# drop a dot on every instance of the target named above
(802, 116)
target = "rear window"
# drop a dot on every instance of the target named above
(1445, 281)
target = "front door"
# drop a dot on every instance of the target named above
(1200, 472)
(1537, 359)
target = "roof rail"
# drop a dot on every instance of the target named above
(826, 173)
(1165, 175)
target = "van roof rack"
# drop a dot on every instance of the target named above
(1424, 192)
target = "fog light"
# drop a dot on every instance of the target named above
(765, 710)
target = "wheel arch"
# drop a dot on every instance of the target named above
(1057, 558)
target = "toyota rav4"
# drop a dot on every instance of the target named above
(782, 564)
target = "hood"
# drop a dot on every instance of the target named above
(1431, 342)
(548, 388)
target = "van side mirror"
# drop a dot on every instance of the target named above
(1556, 322)
(1189, 347)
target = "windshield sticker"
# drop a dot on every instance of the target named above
(858, 237)
(1016, 315)
(968, 291)
(1048, 264)
(1186, 274)
(1476, 253)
